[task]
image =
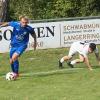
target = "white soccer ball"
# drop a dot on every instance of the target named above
(10, 76)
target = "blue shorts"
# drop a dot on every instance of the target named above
(19, 50)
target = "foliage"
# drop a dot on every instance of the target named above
(46, 9)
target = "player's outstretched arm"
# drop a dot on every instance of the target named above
(3, 24)
(35, 40)
(88, 63)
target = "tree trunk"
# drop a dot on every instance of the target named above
(3, 10)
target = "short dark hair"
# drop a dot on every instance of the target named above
(92, 46)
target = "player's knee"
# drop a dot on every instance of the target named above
(67, 58)
(15, 57)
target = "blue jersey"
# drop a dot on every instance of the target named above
(20, 35)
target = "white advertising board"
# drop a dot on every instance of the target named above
(5, 35)
(48, 36)
(80, 30)
(56, 34)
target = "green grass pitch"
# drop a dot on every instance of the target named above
(41, 79)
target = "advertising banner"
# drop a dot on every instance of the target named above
(80, 30)
(48, 36)
(56, 34)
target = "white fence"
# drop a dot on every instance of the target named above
(57, 34)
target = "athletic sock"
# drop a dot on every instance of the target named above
(12, 67)
(16, 66)
(62, 60)
(73, 62)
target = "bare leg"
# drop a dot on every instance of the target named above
(80, 60)
(65, 58)
(14, 57)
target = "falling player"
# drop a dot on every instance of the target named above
(83, 49)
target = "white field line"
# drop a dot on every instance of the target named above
(47, 72)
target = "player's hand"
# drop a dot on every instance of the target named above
(35, 45)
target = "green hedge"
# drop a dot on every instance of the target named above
(45, 9)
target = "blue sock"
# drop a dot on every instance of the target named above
(16, 66)
(12, 67)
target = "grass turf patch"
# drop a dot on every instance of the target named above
(41, 79)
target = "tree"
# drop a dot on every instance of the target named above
(3, 10)
(46, 9)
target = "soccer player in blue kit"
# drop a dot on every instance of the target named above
(19, 40)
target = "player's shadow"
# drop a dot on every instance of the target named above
(96, 67)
